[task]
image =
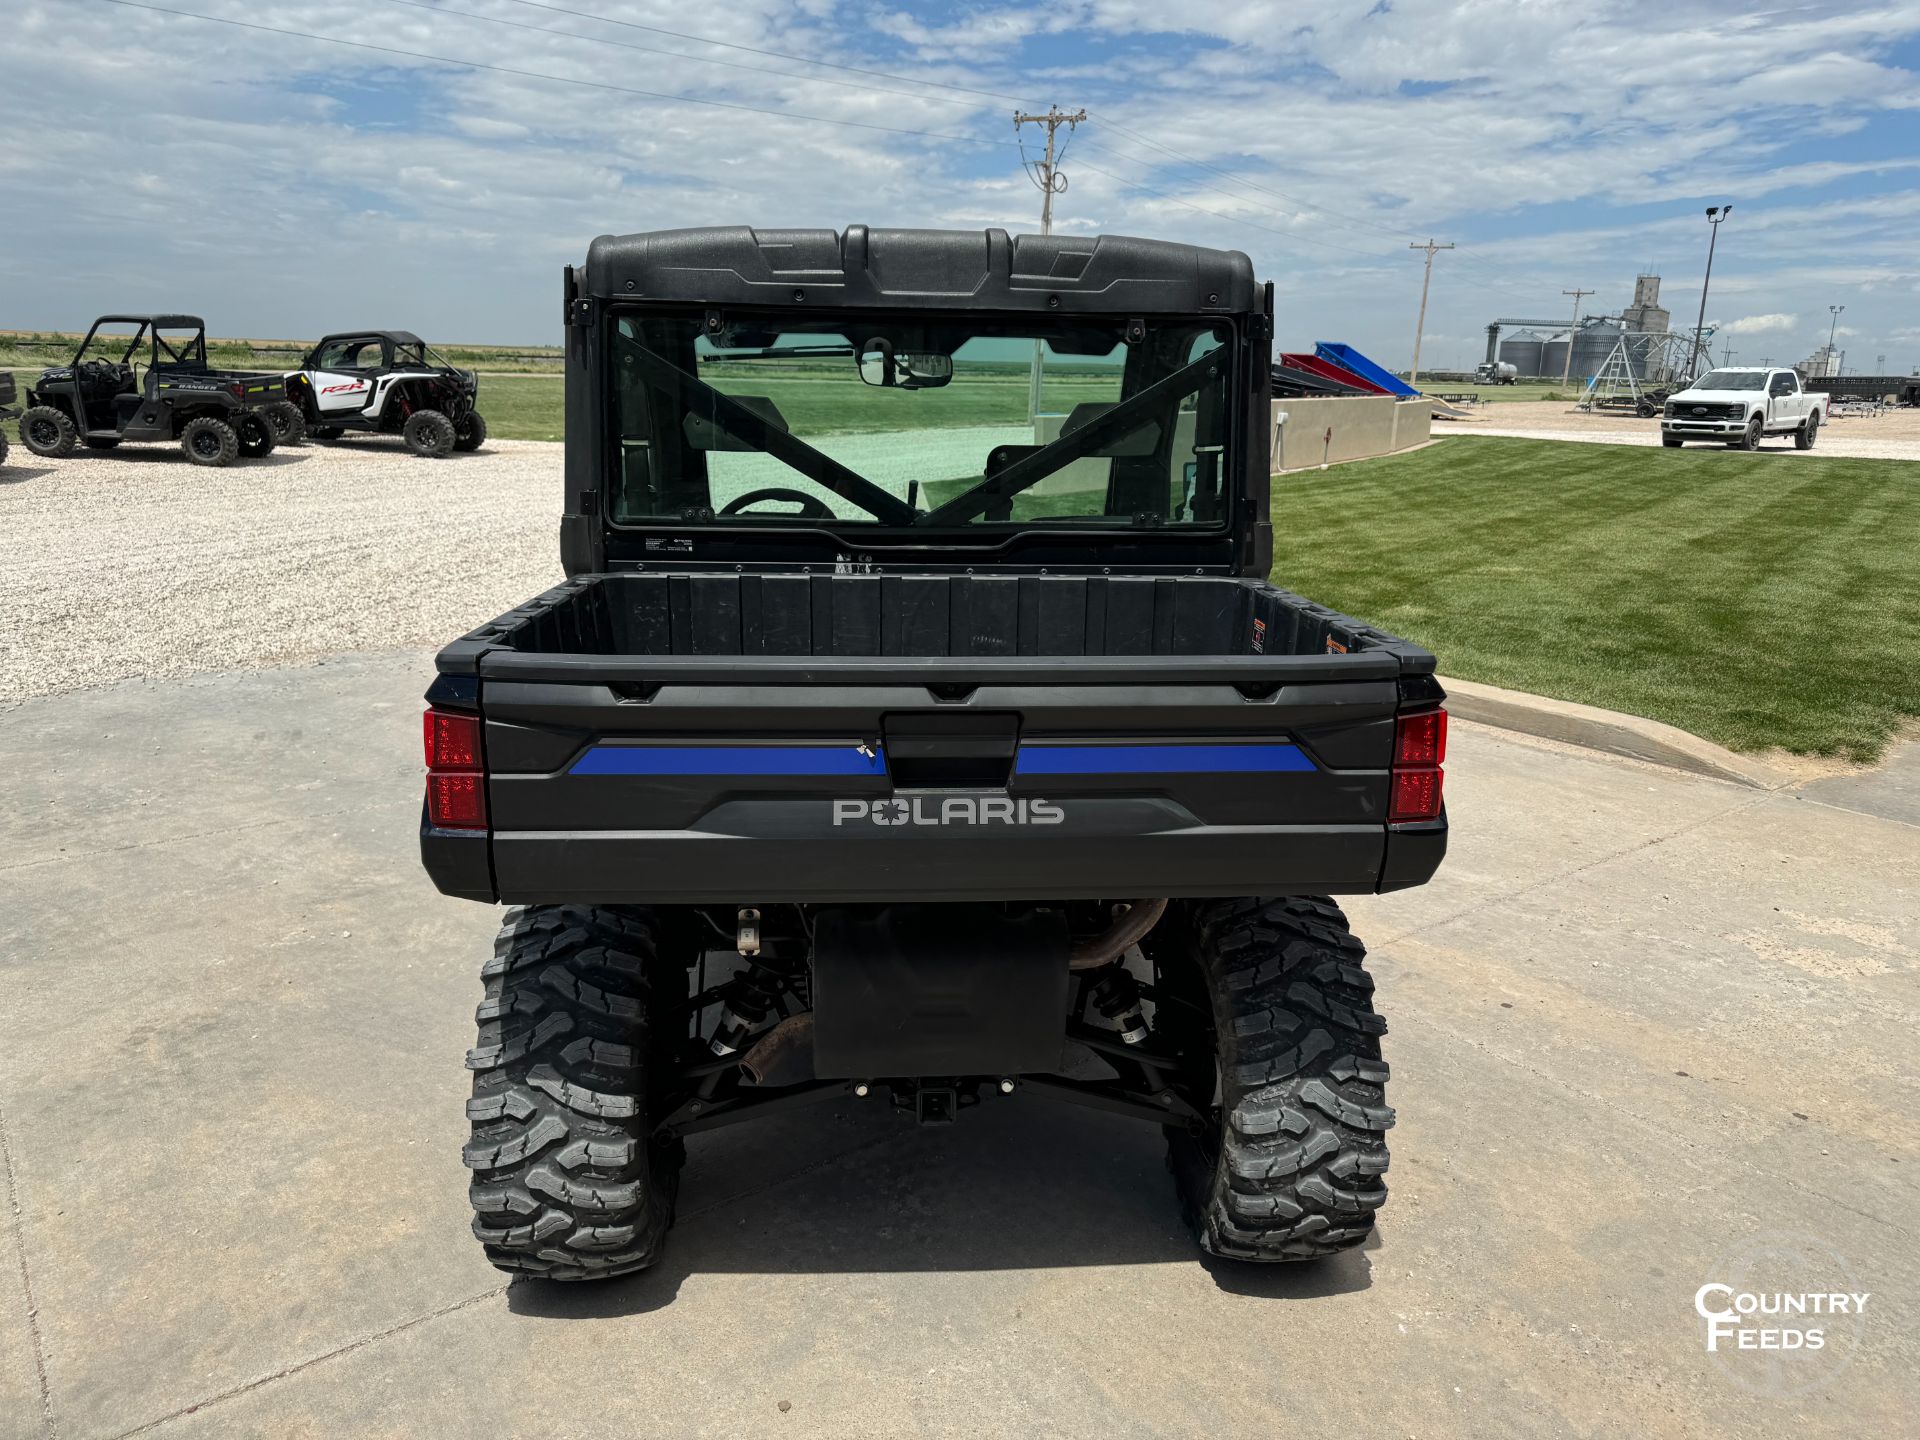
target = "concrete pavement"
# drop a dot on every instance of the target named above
(1641, 1020)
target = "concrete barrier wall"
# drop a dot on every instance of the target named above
(1306, 432)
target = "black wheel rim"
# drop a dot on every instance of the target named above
(45, 432)
(205, 442)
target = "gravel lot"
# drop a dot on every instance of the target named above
(140, 565)
(1892, 435)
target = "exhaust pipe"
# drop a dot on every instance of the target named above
(1140, 917)
(782, 1056)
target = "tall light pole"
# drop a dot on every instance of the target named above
(1832, 326)
(1420, 326)
(1715, 214)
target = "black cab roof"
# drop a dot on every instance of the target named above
(914, 269)
(164, 322)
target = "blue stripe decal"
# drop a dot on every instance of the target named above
(839, 759)
(1160, 759)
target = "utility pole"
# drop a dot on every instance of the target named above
(1051, 183)
(1420, 328)
(1832, 325)
(1566, 371)
(1726, 353)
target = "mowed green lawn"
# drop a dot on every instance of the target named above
(1757, 600)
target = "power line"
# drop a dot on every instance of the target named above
(437, 9)
(781, 114)
(1305, 205)
(771, 54)
(562, 79)
(1239, 179)
(1146, 189)
(1296, 236)
(921, 84)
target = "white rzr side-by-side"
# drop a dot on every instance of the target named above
(388, 382)
(1740, 407)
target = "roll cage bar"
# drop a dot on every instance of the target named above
(192, 353)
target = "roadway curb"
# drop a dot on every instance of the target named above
(1607, 730)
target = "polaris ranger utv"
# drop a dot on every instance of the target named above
(889, 741)
(388, 382)
(152, 383)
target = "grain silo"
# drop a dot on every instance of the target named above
(1592, 344)
(1522, 351)
(1553, 355)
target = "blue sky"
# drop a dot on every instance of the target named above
(284, 186)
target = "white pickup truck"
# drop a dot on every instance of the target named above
(1740, 407)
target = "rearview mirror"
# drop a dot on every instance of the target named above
(881, 364)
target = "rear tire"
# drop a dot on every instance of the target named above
(208, 441)
(1804, 437)
(326, 432)
(569, 1181)
(3, 447)
(289, 425)
(429, 434)
(256, 434)
(470, 432)
(1269, 999)
(48, 433)
(111, 442)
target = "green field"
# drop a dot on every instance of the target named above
(1757, 600)
(35, 349)
(819, 398)
(523, 407)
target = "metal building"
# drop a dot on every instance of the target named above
(1593, 342)
(1522, 351)
(1646, 314)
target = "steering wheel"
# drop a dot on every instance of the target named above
(811, 506)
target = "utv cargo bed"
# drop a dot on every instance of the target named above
(839, 737)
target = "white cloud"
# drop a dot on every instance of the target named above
(1559, 145)
(1759, 324)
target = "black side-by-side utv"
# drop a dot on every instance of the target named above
(152, 383)
(934, 765)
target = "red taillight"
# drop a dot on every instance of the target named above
(453, 740)
(1420, 739)
(1416, 795)
(457, 802)
(1419, 747)
(456, 774)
